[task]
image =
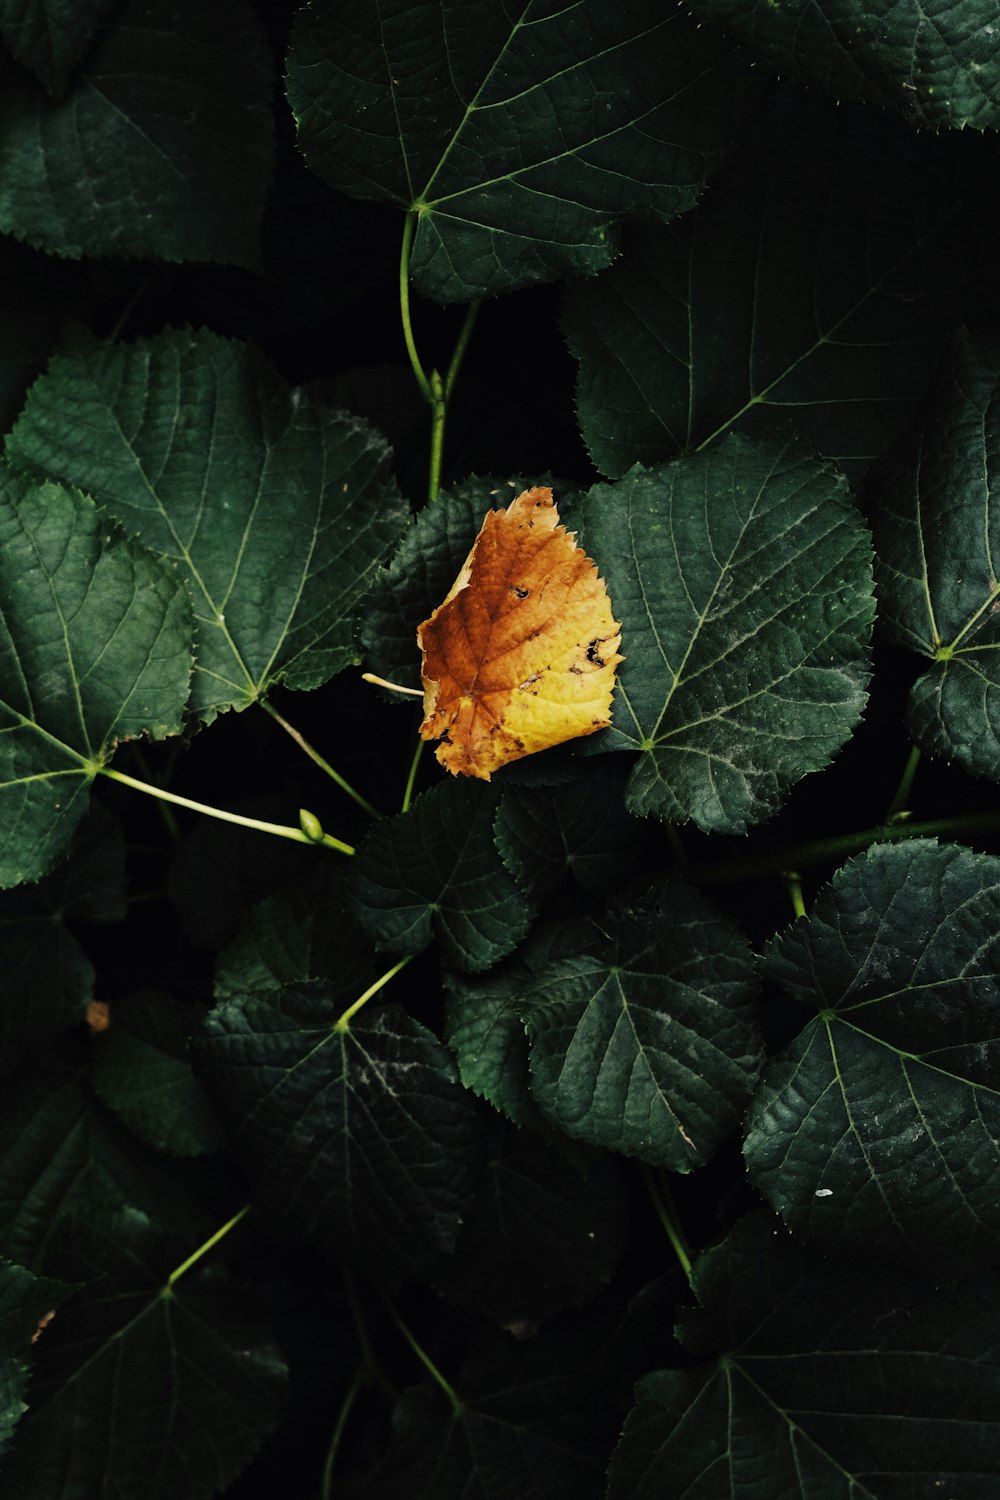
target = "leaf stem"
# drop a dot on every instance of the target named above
(280, 830)
(372, 1370)
(326, 1484)
(343, 1022)
(667, 1214)
(900, 801)
(832, 850)
(315, 756)
(461, 344)
(437, 392)
(411, 778)
(793, 885)
(409, 230)
(209, 1244)
(457, 1404)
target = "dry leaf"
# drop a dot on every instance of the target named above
(98, 1015)
(522, 653)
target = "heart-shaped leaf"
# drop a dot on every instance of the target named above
(518, 140)
(878, 1125)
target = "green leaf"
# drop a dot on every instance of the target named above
(141, 1387)
(51, 36)
(580, 829)
(878, 1126)
(358, 1140)
(47, 981)
(161, 147)
(435, 871)
(742, 578)
(275, 506)
(297, 935)
(646, 1043)
(95, 647)
(25, 1300)
(832, 1379)
(517, 141)
(483, 1027)
(540, 1236)
(142, 1071)
(935, 515)
(63, 1155)
(37, 295)
(936, 64)
(535, 1420)
(815, 283)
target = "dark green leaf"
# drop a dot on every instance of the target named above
(832, 1380)
(742, 578)
(276, 506)
(580, 829)
(648, 1044)
(535, 1420)
(936, 511)
(142, 1070)
(878, 1126)
(305, 933)
(483, 1028)
(518, 140)
(51, 36)
(46, 980)
(95, 647)
(25, 1301)
(814, 284)
(541, 1234)
(936, 63)
(62, 1154)
(144, 1388)
(358, 1139)
(161, 147)
(36, 295)
(435, 870)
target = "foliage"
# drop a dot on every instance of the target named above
(625, 1126)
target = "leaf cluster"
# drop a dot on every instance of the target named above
(625, 1126)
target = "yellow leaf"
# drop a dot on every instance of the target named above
(522, 653)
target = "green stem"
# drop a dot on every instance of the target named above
(278, 829)
(793, 885)
(209, 1244)
(371, 1366)
(411, 779)
(436, 392)
(315, 756)
(461, 344)
(901, 800)
(833, 850)
(409, 229)
(457, 1404)
(439, 416)
(667, 1215)
(326, 1485)
(343, 1022)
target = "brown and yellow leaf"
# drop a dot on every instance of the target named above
(522, 653)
